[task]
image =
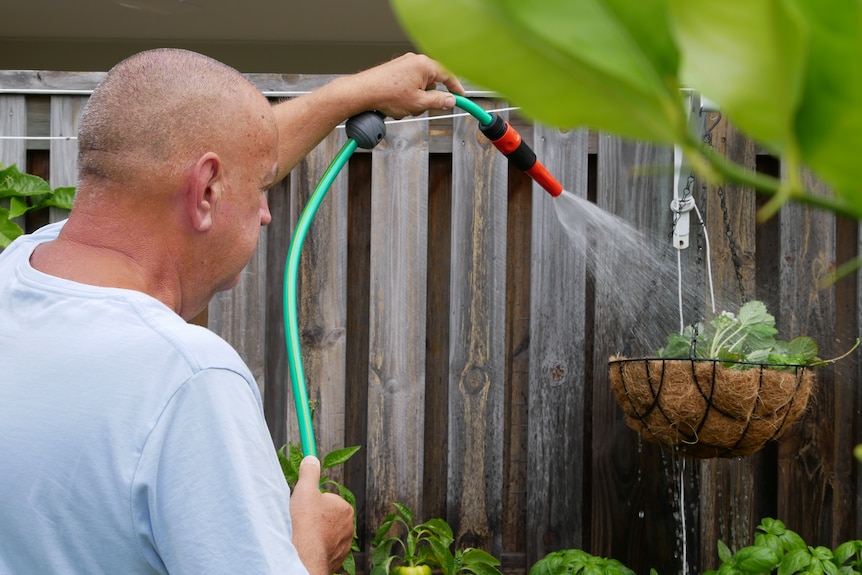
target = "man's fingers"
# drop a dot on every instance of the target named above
(309, 473)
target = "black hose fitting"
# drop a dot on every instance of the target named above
(506, 139)
(367, 128)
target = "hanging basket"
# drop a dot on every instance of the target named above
(705, 409)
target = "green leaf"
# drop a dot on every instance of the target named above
(9, 230)
(17, 207)
(847, 550)
(724, 552)
(349, 565)
(15, 183)
(754, 559)
(794, 561)
(606, 64)
(339, 456)
(678, 346)
(59, 198)
(829, 118)
(792, 540)
(382, 551)
(750, 58)
(473, 555)
(405, 512)
(481, 569)
(384, 528)
(440, 529)
(804, 348)
(442, 557)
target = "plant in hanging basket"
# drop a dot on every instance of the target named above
(722, 390)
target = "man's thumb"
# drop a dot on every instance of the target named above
(309, 473)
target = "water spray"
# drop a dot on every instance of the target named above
(365, 131)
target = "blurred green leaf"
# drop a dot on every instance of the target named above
(607, 64)
(788, 73)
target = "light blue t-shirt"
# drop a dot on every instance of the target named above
(130, 441)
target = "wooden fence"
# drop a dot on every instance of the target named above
(452, 329)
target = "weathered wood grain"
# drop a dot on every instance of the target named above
(396, 370)
(65, 117)
(13, 122)
(436, 454)
(727, 488)
(516, 450)
(277, 401)
(557, 356)
(808, 486)
(634, 487)
(476, 338)
(239, 315)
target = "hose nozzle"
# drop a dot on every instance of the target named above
(506, 139)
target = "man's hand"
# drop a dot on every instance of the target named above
(322, 522)
(405, 86)
(398, 88)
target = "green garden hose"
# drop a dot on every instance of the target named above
(366, 130)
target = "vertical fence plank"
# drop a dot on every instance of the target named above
(477, 355)
(806, 464)
(516, 469)
(630, 480)
(727, 494)
(845, 426)
(239, 315)
(13, 124)
(65, 117)
(396, 384)
(358, 258)
(322, 299)
(557, 361)
(276, 398)
(436, 454)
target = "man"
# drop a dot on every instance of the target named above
(134, 442)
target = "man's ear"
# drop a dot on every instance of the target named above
(203, 190)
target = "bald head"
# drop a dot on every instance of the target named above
(156, 111)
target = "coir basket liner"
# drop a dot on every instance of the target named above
(706, 409)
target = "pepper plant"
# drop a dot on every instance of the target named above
(402, 547)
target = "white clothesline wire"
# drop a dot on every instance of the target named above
(340, 126)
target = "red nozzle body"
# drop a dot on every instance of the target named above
(506, 139)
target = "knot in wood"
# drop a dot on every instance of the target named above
(557, 372)
(474, 380)
(392, 386)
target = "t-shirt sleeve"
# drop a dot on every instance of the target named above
(209, 495)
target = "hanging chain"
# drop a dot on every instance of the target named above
(731, 243)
